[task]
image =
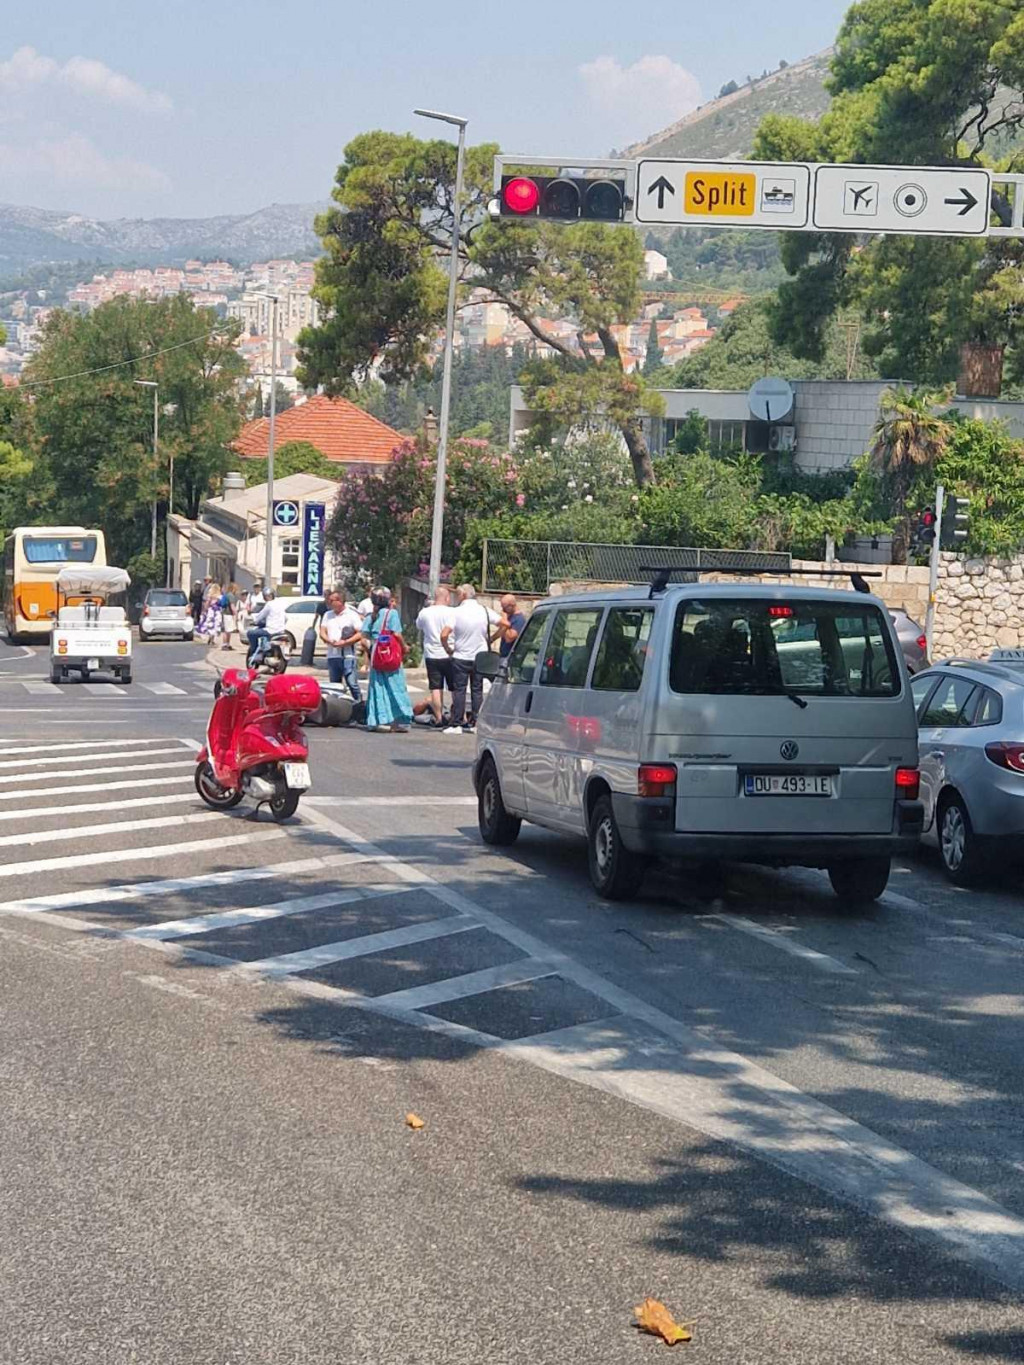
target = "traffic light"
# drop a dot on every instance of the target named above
(568, 199)
(955, 518)
(924, 532)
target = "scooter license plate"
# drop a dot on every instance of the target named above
(296, 776)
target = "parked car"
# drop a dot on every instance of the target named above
(300, 612)
(913, 641)
(755, 724)
(165, 611)
(971, 724)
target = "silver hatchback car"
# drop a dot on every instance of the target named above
(971, 726)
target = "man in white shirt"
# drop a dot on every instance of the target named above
(430, 623)
(271, 619)
(467, 636)
(339, 624)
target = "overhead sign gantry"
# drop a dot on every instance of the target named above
(954, 201)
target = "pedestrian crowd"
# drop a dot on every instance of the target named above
(453, 634)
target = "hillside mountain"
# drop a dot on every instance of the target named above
(723, 130)
(31, 237)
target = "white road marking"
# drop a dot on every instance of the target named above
(96, 787)
(64, 749)
(329, 801)
(783, 941)
(58, 757)
(10, 778)
(121, 855)
(308, 958)
(42, 689)
(106, 690)
(255, 914)
(901, 901)
(473, 983)
(138, 890)
(163, 689)
(91, 807)
(688, 1079)
(50, 836)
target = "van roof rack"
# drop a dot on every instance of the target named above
(662, 573)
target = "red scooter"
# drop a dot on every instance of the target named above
(255, 745)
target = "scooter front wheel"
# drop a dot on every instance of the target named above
(284, 804)
(215, 796)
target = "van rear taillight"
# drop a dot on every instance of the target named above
(908, 784)
(1010, 756)
(656, 779)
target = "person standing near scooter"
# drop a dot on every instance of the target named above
(340, 625)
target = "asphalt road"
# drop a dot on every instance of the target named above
(801, 1129)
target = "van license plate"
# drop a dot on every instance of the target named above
(790, 784)
(296, 776)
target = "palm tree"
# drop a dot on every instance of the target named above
(909, 437)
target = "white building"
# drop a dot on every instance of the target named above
(228, 538)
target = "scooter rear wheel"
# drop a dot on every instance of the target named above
(284, 804)
(215, 796)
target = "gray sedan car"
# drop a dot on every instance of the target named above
(971, 722)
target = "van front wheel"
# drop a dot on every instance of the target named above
(497, 826)
(859, 882)
(615, 872)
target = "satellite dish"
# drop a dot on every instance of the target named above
(771, 399)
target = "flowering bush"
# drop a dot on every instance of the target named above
(380, 528)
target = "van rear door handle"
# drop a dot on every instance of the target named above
(529, 701)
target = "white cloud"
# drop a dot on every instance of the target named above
(642, 98)
(74, 160)
(28, 69)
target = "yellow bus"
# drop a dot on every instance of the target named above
(33, 557)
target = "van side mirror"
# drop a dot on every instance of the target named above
(489, 665)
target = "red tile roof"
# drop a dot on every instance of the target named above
(337, 428)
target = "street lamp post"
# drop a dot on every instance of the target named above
(268, 562)
(437, 528)
(152, 384)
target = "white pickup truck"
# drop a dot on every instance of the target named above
(90, 637)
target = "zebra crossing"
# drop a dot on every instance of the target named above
(316, 908)
(108, 691)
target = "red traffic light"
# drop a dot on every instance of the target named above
(521, 195)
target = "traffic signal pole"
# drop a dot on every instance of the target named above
(933, 573)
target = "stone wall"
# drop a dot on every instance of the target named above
(979, 606)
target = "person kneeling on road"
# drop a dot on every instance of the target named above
(340, 624)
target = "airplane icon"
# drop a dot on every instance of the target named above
(861, 197)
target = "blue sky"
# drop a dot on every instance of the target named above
(113, 108)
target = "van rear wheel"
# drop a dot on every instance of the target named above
(615, 872)
(861, 881)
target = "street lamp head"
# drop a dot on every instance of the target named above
(443, 118)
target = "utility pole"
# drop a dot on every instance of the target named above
(437, 528)
(268, 560)
(933, 572)
(152, 384)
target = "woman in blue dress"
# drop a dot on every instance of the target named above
(387, 705)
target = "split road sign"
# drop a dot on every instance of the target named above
(725, 193)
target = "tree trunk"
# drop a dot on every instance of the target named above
(643, 467)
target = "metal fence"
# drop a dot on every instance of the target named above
(531, 566)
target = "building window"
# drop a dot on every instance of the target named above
(725, 435)
(291, 549)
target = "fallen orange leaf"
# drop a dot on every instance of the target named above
(414, 1121)
(652, 1316)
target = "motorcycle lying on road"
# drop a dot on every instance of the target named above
(255, 745)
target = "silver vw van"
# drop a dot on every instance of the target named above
(702, 722)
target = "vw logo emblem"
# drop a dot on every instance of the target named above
(789, 750)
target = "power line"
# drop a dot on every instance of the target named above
(102, 369)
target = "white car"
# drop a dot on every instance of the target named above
(300, 612)
(166, 612)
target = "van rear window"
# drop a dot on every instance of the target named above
(754, 647)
